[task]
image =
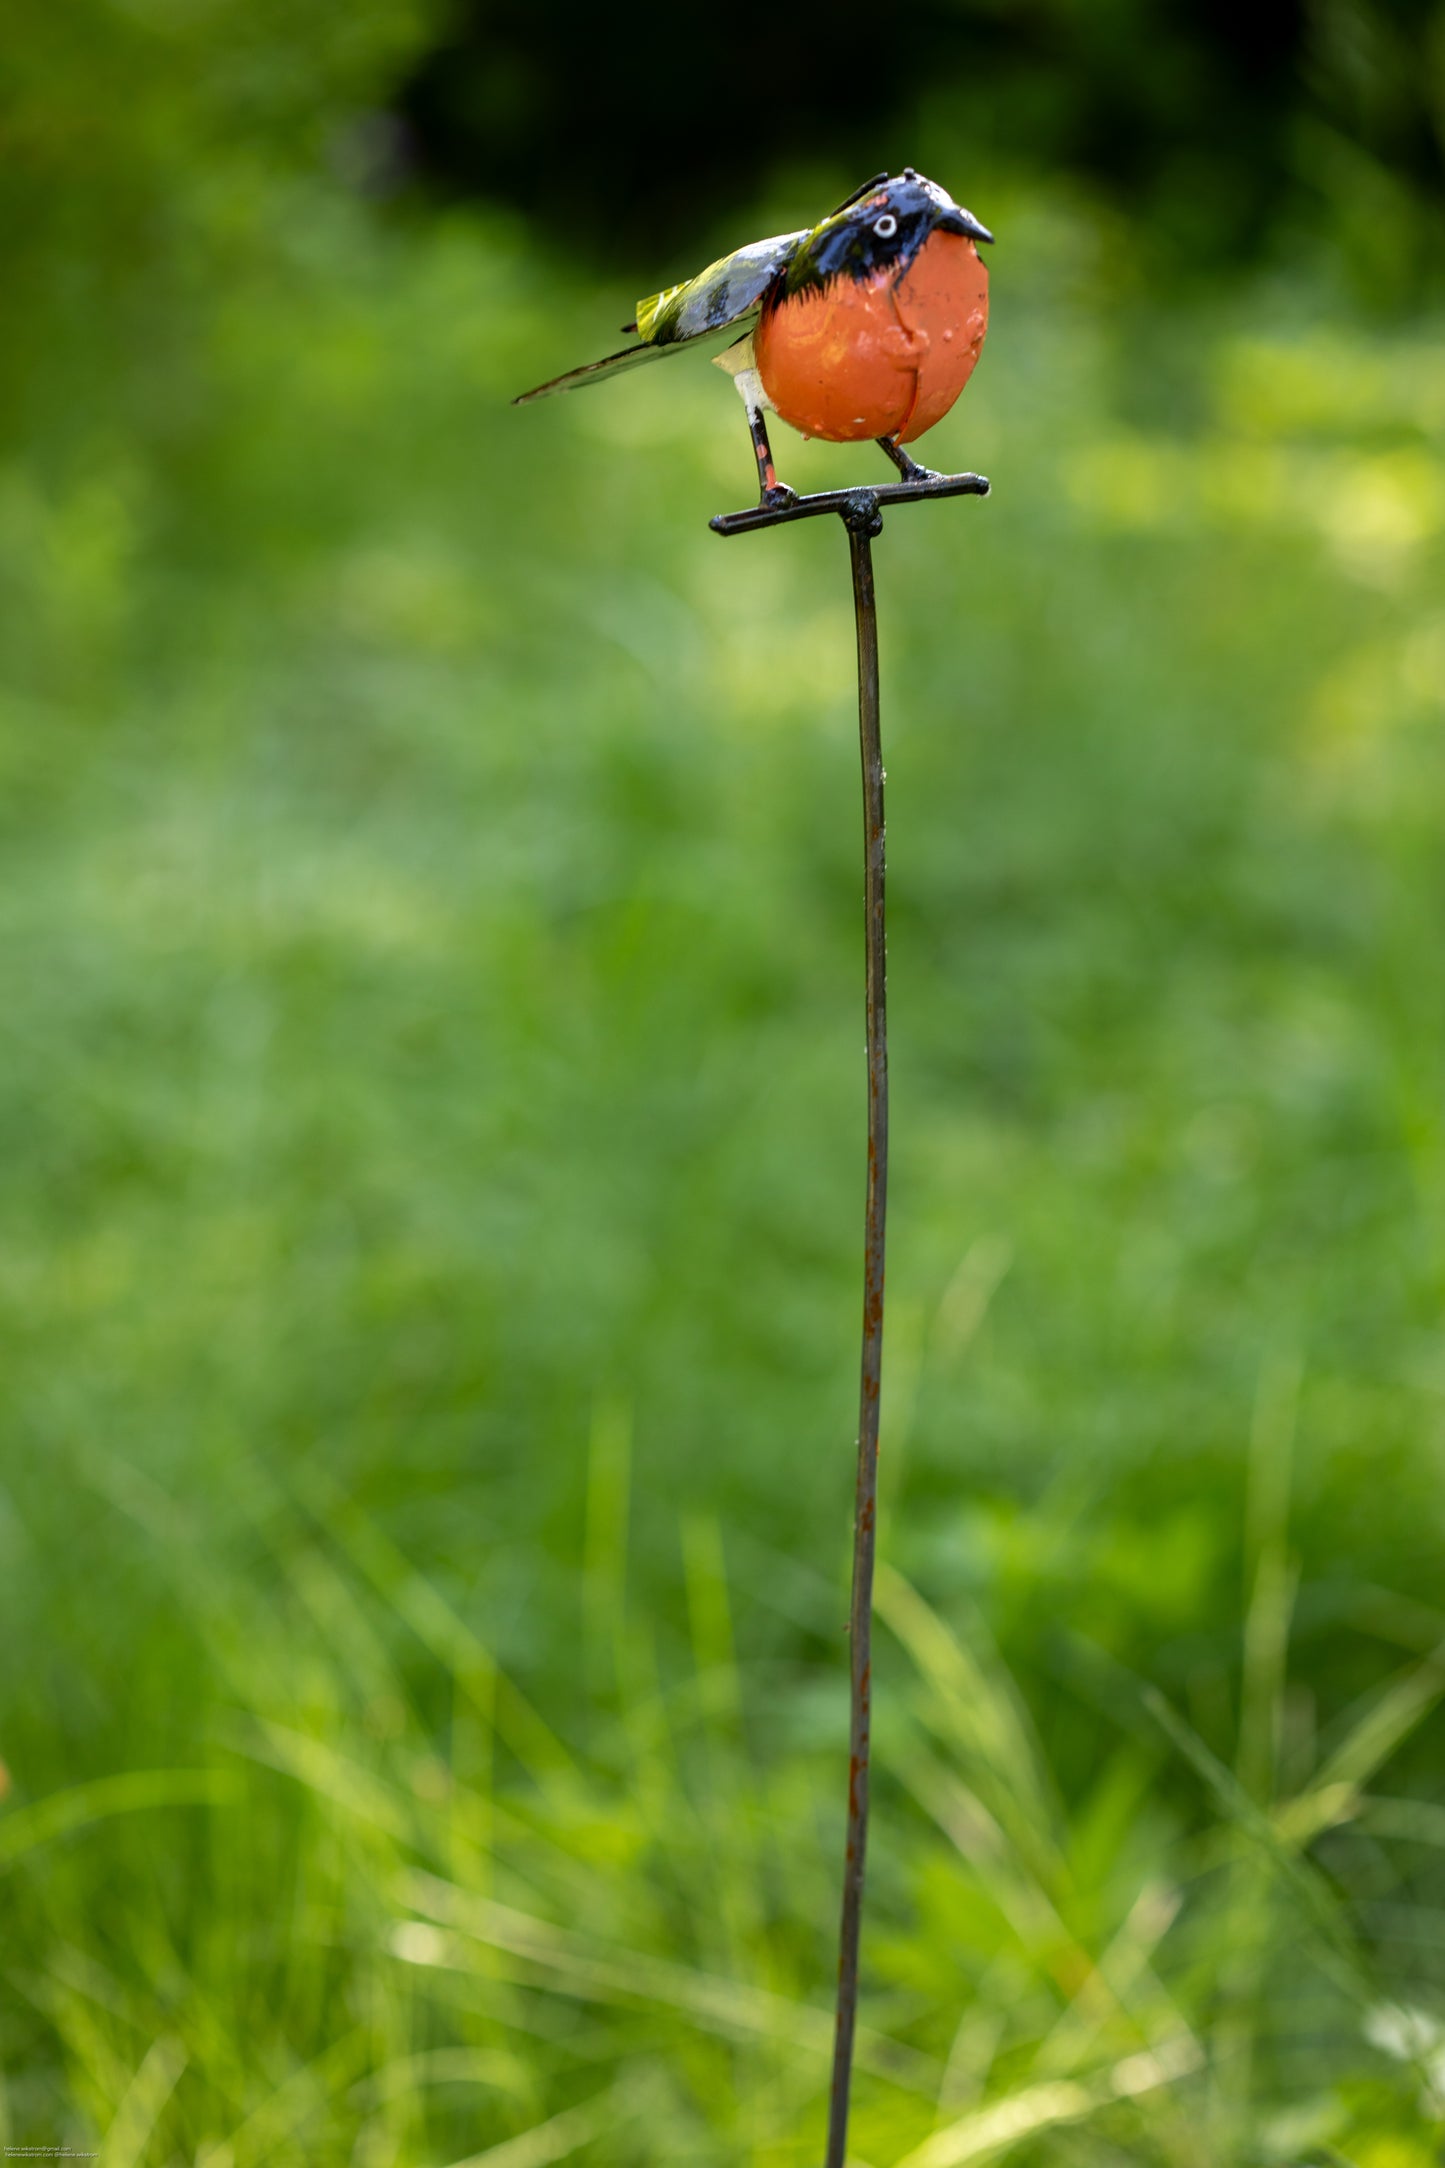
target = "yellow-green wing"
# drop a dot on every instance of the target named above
(729, 290)
(727, 295)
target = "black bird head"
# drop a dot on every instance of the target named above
(882, 229)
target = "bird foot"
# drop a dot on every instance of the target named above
(777, 498)
(907, 466)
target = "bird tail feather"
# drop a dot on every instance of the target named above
(593, 372)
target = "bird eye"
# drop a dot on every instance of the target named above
(886, 226)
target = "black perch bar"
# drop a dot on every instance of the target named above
(848, 503)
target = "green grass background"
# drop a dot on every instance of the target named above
(432, 1178)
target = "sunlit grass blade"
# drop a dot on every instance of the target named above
(324, 1769)
(311, 2090)
(1121, 1983)
(1005, 1879)
(994, 2129)
(726, 1809)
(981, 1717)
(1419, 1821)
(1386, 1723)
(130, 1791)
(438, 1627)
(498, 2069)
(580, 1966)
(605, 1542)
(1114, 1995)
(129, 2136)
(1334, 1796)
(1271, 1599)
(550, 2141)
(1336, 1943)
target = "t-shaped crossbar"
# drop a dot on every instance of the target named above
(850, 504)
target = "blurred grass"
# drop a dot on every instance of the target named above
(433, 1122)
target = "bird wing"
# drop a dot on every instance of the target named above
(723, 294)
(728, 294)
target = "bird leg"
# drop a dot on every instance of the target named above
(907, 467)
(773, 493)
(741, 367)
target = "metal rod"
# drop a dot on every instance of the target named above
(860, 1620)
(861, 513)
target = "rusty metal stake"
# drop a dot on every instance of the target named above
(861, 513)
(865, 1512)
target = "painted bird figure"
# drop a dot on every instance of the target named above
(866, 325)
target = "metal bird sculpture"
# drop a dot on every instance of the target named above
(866, 325)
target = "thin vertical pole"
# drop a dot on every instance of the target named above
(862, 523)
(861, 511)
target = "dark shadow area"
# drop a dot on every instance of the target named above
(1219, 120)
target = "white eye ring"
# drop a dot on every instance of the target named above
(886, 226)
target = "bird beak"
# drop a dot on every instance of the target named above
(956, 220)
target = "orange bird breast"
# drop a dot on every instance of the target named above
(871, 358)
